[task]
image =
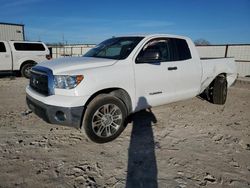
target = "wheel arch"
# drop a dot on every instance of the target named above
(223, 75)
(27, 62)
(117, 92)
(209, 81)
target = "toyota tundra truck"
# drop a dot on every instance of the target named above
(123, 75)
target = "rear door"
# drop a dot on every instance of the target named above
(5, 57)
(188, 70)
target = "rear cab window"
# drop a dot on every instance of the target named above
(29, 47)
(182, 49)
(2, 47)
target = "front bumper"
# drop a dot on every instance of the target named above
(68, 116)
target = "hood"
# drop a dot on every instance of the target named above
(71, 64)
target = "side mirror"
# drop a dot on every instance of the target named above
(149, 56)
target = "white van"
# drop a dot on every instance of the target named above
(22, 55)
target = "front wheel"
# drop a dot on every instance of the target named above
(104, 118)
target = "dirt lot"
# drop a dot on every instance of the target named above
(187, 144)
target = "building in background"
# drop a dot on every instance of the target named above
(10, 31)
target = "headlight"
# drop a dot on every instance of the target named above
(66, 81)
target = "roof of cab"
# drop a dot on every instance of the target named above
(155, 35)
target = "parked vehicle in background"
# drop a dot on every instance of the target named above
(123, 75)
(22, 55)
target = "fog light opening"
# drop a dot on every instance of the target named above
(60, 116)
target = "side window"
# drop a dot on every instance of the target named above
(171, 49)
(2, 47)
(182, 49)
(29, 47)
(163, 45)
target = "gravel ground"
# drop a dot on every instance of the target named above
(190, 143)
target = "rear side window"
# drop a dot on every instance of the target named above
(2, 47)
(182, 49)
(29, 47)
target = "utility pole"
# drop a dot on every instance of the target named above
(63, 38)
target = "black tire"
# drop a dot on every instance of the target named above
(219, 94)
(107, 124)
(25, 70)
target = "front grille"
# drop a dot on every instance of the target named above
(39, 82)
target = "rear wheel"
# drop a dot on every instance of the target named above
(25, 70)
(219, 93)
(104, 118)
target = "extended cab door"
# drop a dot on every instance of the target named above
(188, 69)
(171, 78)
(5, 57)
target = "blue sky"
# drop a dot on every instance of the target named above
(79, 21)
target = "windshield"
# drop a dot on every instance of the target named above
(114, 48)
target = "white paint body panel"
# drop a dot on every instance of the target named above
(213, 67)
(138, 80)
(5, 58)
(13, 59)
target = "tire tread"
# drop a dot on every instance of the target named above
(218, 88)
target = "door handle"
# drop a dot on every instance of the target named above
(172, 68)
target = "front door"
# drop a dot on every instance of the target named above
(156, 80)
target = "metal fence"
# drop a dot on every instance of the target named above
(70, 50)
(241, 53)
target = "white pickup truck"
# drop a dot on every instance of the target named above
(21, 56)
(123, 75)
